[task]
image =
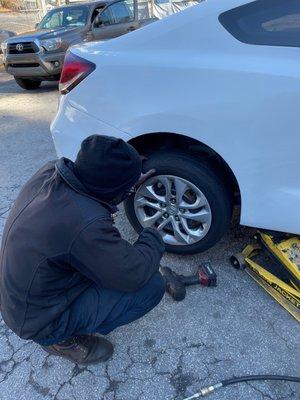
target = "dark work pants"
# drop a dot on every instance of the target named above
(99, 310)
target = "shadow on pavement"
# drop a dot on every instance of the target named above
(8, 85)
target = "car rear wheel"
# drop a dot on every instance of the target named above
(28, 84)
(186, 201)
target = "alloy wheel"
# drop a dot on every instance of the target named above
(175, 207)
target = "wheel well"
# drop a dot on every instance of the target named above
(152, 142)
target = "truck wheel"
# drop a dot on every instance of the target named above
(28, 84)
(186, 201)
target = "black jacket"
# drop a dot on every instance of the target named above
(57, 241)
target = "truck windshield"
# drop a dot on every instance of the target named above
(65, 17)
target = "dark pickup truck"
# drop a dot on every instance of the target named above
(38, 55)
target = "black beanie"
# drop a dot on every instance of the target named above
(107, 166)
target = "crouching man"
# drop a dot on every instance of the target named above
(65, 271)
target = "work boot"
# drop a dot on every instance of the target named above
(82, 349)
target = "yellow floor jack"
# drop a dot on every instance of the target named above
(273, 261)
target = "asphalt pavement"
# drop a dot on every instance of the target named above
(216, 333)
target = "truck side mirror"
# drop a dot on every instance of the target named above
(98, 21)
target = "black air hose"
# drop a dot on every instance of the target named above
(209, 389)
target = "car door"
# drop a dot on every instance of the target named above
(266, 94)
(115, 20)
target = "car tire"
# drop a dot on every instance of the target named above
(28, 84)
(201, 175)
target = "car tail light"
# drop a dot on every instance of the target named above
(75, 69)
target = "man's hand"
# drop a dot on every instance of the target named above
(141, 180)
(144, 177)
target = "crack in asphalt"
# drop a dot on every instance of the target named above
(281, 337)
(291, 394)
(181, 381)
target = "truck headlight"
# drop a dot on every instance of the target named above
(51, 44)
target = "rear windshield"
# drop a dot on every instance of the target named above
(65, 17)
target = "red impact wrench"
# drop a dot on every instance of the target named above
(176, 284)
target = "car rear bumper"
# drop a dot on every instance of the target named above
(71, 126)
(34, 64)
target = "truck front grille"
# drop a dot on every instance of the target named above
(22, 48)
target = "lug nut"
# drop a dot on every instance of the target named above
(173, 201)
(166, 215)
(163, 205)
(177, 218)
(182, 210)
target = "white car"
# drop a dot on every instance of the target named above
(211, 97)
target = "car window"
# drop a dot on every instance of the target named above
(106, 17)
(53, 21)
(64, 17)
(121, 12)
(265, 22)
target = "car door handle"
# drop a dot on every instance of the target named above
(131, 28)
